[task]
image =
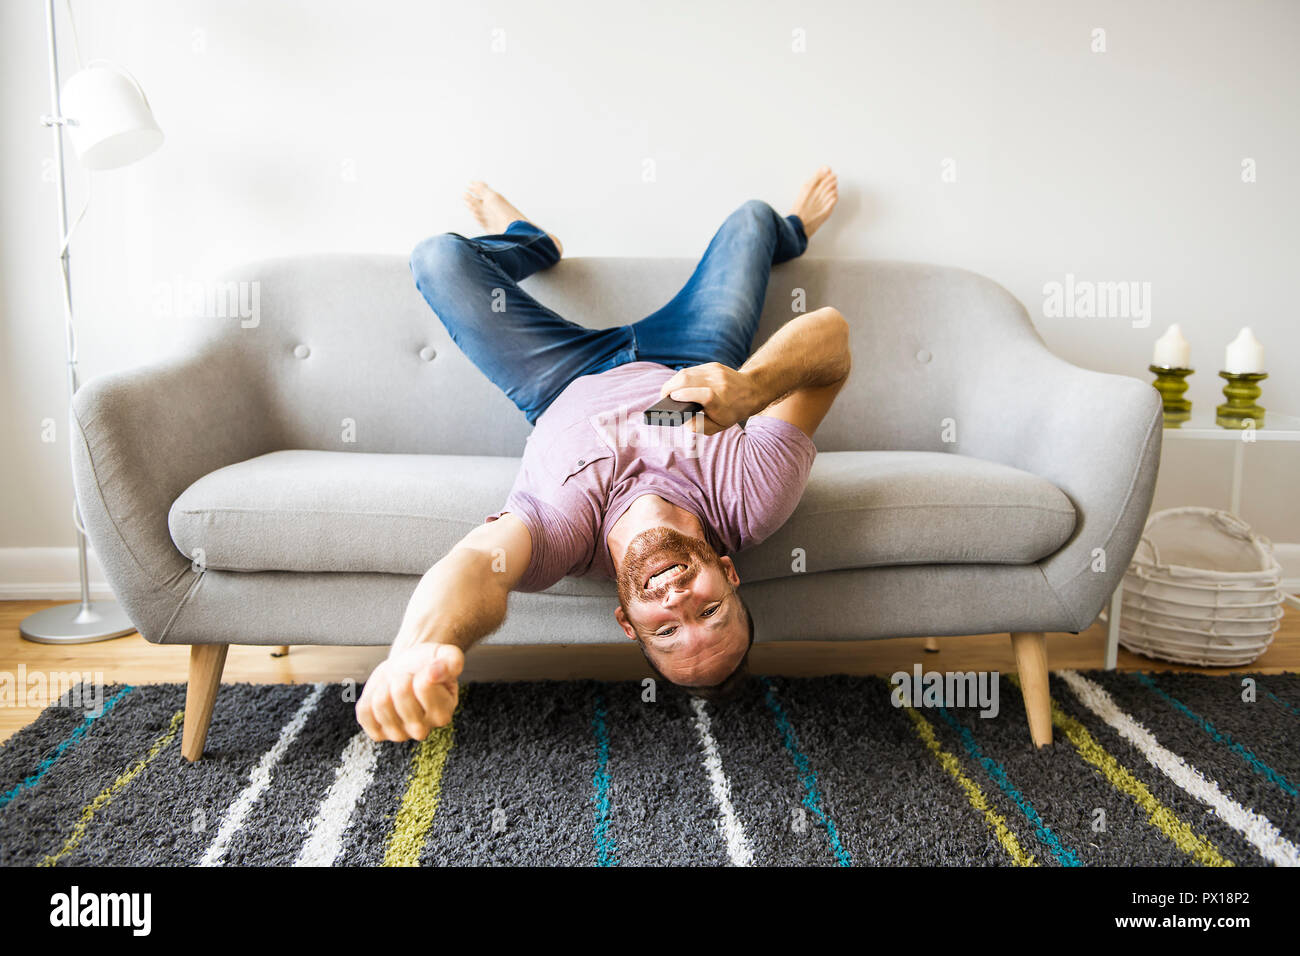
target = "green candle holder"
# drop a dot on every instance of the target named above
(1171, 383)
(1241, 391)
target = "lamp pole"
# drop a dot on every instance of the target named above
(88, 621)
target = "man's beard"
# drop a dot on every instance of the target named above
(652, 550)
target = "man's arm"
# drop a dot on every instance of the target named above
(459, 600)
(462, 598)
(795, 376)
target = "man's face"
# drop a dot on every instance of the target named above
(678, 599)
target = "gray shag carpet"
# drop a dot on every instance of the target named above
(1164, 769)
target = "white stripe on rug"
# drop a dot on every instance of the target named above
(351, 778)
(1256, 828)
(259, 779)
(732, 830)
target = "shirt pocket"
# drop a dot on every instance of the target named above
(574, 450)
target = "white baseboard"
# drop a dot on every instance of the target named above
(48, 574)
(1288, 555)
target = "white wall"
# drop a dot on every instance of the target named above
(331, 125)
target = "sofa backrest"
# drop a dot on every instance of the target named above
(350, 357)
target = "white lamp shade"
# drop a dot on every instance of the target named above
(109, 120)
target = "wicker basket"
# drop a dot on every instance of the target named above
(1202, 589)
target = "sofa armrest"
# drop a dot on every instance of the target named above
(139, 438)
(1094, 435)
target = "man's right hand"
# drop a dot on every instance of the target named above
(726, 395)
(412, 692)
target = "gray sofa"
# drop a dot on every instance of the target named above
(286, 477)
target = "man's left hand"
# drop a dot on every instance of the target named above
(727, 395)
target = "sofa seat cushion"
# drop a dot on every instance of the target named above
(337, 511)
(398, 514)
(865, 509)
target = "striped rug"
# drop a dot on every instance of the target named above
(1165, 769)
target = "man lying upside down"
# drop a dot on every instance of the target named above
(658, 516)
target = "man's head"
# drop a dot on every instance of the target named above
(678, 600)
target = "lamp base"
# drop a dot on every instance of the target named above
(77, 623)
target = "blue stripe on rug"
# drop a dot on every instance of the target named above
(812, 798)
(1220, 736)
(1289, 708)
(998, 774)
(77, 733)
(606, 847)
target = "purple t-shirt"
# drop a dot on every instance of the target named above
(591, 455)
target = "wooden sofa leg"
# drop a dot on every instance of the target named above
(1031, 663)
(931, 645)
(206, 663)
(281, 651)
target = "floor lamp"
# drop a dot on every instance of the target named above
(109, 124)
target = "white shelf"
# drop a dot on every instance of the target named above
(1276, 427)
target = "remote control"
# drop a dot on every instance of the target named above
(670, 412)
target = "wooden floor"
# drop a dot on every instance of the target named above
(131, 659)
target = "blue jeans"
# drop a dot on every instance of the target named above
(532, 354)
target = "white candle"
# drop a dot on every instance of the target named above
(1172, 349)
(1244, 354)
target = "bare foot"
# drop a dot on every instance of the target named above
(817, 197)
(493, 211)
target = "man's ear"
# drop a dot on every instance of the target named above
(624, 623)
(729, 569)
